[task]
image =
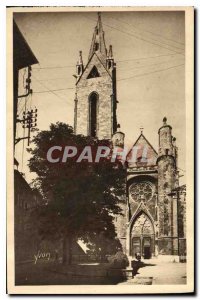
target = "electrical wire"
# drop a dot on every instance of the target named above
(148, 57)
(71, 88)
(41, 92)
(139, 38)
(31, 101)
(145, 66)
(121, 69)
(56, 67)
(140, 75)
(117, 61)
(51, 91)
(23, 137)
(147, 37)
(23, 105)
(153, 33)
(24, 85)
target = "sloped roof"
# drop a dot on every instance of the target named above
(142, 153)
(22, 53)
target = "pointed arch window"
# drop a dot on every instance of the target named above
(93, 101)
(93, 73)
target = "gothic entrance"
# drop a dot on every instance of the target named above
(142, 237)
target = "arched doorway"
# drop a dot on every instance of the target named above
(142, 236)
(93, 99)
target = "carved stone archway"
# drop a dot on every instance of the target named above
(142, 236)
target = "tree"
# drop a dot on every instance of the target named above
(81, 198)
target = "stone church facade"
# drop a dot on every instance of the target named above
(153, 221)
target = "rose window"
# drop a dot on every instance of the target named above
(141, 191)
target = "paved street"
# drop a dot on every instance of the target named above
(154, 271)
(150, 272)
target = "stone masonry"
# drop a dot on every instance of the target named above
(153, 221)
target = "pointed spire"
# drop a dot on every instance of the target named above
(110, 59)
(164, 121)
(98, 41)
(80, 61)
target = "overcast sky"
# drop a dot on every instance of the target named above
(149, 51)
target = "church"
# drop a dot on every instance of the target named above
(153, 221)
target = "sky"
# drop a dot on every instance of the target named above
(149, 53)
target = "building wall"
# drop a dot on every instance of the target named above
(142, 200)
(26, 237)
(120, 223)
(103, 86)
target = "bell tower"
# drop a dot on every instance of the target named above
(95, 101)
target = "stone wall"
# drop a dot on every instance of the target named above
(167, 212)
(103, 86)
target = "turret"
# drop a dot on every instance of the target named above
(165, 139)
(167, 178)
(79, 66)
(118, 138)
(110, 60)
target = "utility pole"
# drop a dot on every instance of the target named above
(29, 121)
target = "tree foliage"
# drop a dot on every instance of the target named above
(81, 199)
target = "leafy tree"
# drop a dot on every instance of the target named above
(82, 198)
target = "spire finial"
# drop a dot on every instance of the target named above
(98, 41)
(118, 127)
(141, 129)
(164, 121)
(80, 58)
(110, 54)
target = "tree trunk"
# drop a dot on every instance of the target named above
(67, 250)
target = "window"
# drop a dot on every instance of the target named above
(109, 64)
(96, 46)
(79, 70)
(141, 191)
(93, 73)
(93, 114)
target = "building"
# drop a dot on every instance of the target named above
(23, 57)
(154, 211)
(152, 227)
(25, 198)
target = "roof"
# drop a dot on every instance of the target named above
(23, 56)
(143, 154)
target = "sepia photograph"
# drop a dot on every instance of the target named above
(100, 175)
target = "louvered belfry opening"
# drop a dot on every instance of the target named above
(93, 73)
